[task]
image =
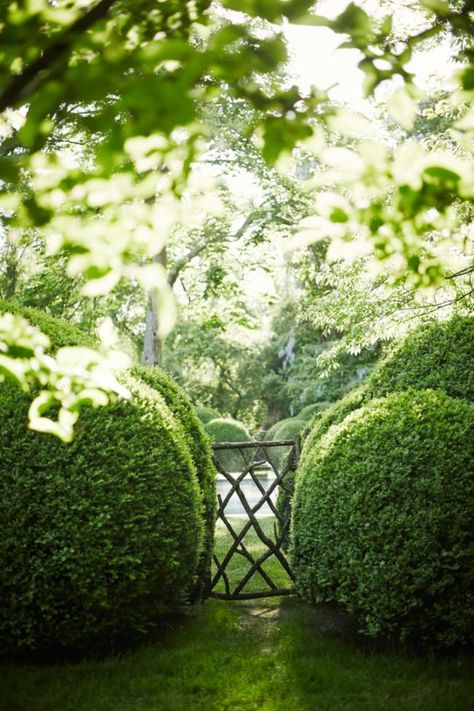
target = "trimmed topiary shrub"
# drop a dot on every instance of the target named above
(439, 356)
(334, 415)
(198, 443)
(101, 537)
(206, 414)
(382, 518)
(289, 427)
(286, 429)
(227, 430)
(60, 333)
(309, 411)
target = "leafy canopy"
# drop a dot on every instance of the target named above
(103, 115)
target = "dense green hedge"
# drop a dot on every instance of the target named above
(98, 538)
(206, 414)
(309, 411)
(227, 430)
(439, 356)
(60, 333)
(382, 519)
(335, 414)
(201, 453)
(286, 429)
(289, 427)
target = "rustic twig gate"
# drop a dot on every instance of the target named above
(254, 456)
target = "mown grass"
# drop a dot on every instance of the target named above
(267, 655)
(238, 565)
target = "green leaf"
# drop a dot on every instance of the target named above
(439, 7)
(403, 108)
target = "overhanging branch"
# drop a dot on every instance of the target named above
(20, 86)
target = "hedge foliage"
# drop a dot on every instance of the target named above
(206, 414)
(334, 415)
(286, 429)
(309, 411)
(382, 519)
(199, 446)
(98, 538)
(227, 430)
(439, 356)
(60, 333)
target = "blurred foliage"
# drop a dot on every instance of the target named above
(96, 182)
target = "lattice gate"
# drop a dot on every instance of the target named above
(256, 457)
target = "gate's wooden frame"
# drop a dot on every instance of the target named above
(238, 546)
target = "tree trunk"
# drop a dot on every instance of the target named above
(152, 344)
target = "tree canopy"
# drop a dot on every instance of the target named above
(108, 115)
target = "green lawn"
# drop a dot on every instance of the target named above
(239, 565)
(268, 655)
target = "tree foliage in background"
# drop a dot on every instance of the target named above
(93, 170)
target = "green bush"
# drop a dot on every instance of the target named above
(227, 430)
(382, 518)
(60, 333)
(206, 414)
(101, 537)
(309, 411)
(334, 415)
(286, 429)
(439, 356)
(201, 453)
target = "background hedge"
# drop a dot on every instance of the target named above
(309, 411)
(439, 356)
(382, 519)
(199, 446)
(227, 430)
(98, 538)
(206, 414)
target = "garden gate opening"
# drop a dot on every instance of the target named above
(250, 477)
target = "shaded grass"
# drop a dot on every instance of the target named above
(271, 655)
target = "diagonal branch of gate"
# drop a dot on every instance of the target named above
(238, 547)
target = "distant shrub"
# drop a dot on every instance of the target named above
(286, 429)
(382, 518)
(98, 538)
(206, 414)
(310, 410)
(227, 430)
(439, 356)
(199, 446)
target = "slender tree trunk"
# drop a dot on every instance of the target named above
(152, 344)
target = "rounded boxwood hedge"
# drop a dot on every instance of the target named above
(199, 446)
(438, 356)
(226, 430)
(309, 411)
(335, 414)
(98, 538)
(206, 414)
(285, 429)
(60, 333)
(289, 427)
(382, 518)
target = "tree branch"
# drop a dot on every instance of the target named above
(175, 271)
(21, 85)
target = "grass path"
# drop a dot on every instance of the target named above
(275, 655)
